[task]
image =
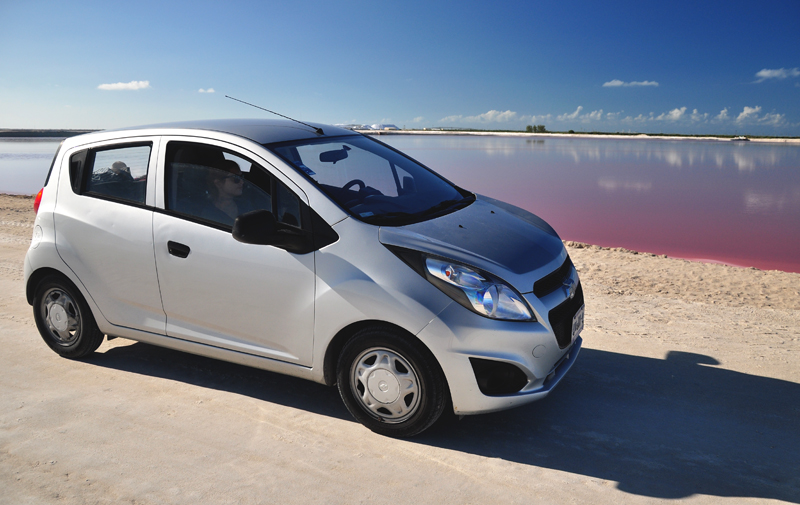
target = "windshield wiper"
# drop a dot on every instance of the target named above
(399, 217)
(444, 206)
(388, 216)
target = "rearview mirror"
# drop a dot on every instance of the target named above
(334, 156)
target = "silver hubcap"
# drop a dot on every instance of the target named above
(61, 315)
(385, 384)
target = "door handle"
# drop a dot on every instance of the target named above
(177, 249)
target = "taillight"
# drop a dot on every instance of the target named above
(38, 201)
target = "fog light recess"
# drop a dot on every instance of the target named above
(496, 378)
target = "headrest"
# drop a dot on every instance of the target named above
(199, 155)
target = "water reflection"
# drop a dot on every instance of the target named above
(771, 203)
(610, 184)
(24, 163)
(674, 153)
(727, 201)
(732, 202)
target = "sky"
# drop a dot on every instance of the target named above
(726, 67)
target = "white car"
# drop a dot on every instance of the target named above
(308, 250)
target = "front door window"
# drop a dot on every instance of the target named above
(215, 185)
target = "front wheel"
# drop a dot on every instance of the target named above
(391, 383)
(64, 319)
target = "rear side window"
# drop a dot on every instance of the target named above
(118, 173)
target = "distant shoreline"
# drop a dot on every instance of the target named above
(633, 136)
(36, 133)
(64, 133)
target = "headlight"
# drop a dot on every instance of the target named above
(475, 289)
(486, 295)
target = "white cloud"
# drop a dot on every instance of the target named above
(753, 115)
(748, 113)
(452, 119)
(418, 119)
(209, 90)
(565, 117)
(778, 73)
(696, 116)
(616, 83)
(595, 114)
(493, 116)
(532, 119)
(723, 115)
(773, 119)
(642, 118)
(673, 115)
(133, 85)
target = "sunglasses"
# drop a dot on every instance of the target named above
(235, 178)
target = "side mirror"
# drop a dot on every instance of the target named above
(256, 227)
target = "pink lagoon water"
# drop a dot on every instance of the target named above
(732, 202)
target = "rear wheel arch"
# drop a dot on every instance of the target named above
(37, 277)
(63, 317)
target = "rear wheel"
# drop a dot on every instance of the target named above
(390, 382)
(64, 319)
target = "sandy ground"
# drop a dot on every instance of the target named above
(688, 387)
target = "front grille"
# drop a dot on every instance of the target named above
(553, 280)
(561, 317)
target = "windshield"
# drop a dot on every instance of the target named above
(373, 182)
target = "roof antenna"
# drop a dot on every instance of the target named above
(317, 130)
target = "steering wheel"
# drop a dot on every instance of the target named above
(359, 182)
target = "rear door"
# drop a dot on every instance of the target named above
(104, 229)
(217, 291)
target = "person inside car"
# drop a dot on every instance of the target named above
(225, 191)
(121, 171)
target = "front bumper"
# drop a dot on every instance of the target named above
(458, 335)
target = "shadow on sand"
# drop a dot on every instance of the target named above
(666, 428)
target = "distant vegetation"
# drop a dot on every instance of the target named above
(542, 129)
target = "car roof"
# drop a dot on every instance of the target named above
(262, 131)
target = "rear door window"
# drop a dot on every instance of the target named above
(119, 173)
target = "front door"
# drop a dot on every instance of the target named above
(250, 298)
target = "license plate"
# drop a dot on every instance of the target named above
(577, 323)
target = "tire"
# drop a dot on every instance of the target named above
(64, 319)
(390, 382)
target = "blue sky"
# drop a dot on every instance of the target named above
(680, 67)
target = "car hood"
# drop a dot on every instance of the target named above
(504, 240)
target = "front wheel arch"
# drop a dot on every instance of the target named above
(383, 361)
(340, 339)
